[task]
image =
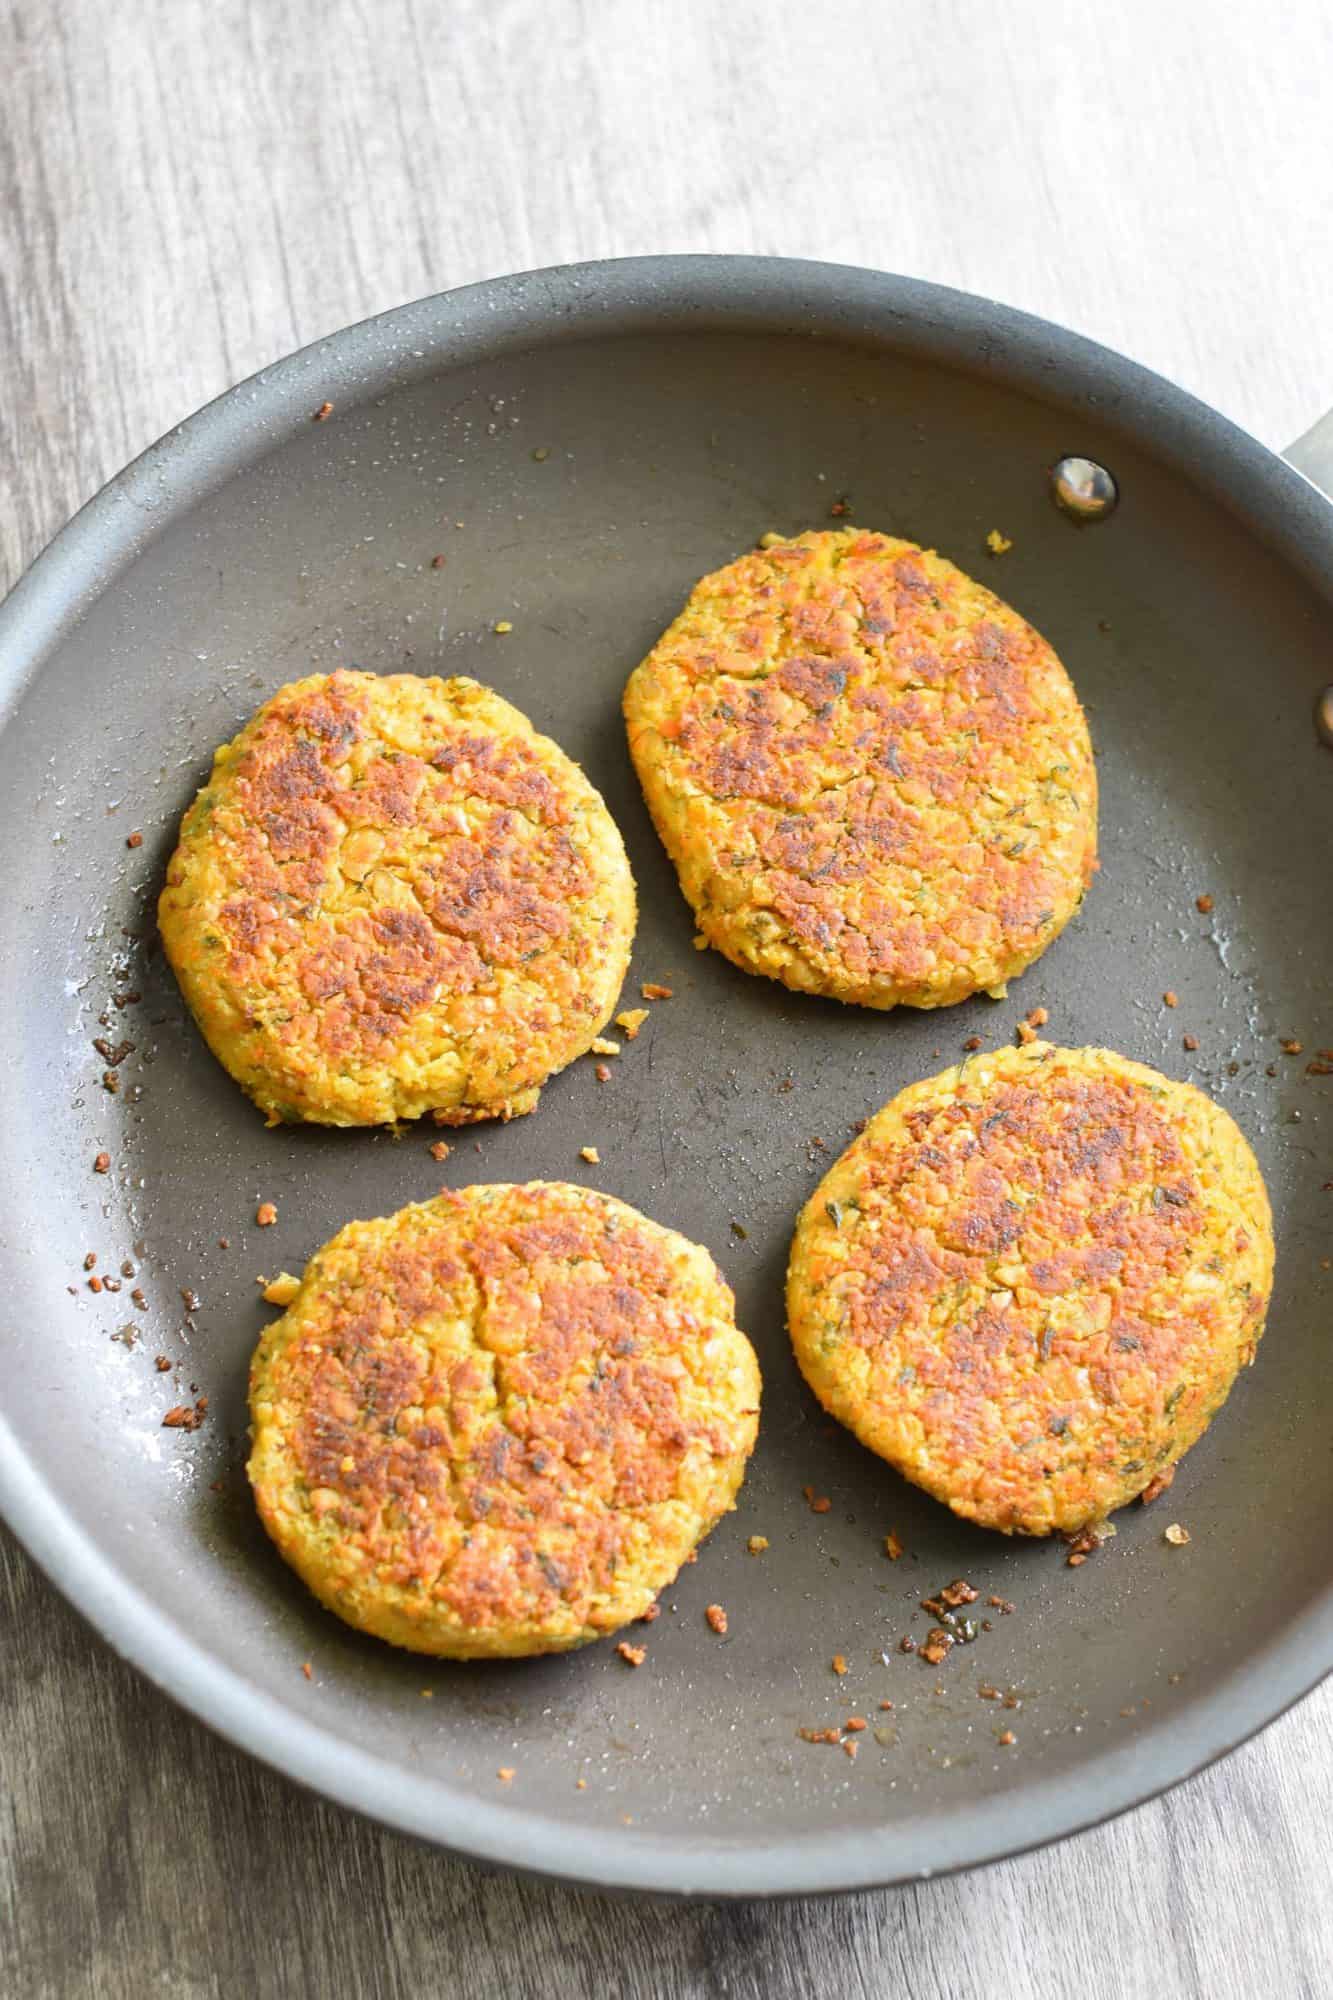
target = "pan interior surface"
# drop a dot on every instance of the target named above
(577, 472)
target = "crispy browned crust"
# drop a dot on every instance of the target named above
(496, 1423)
(1030, 1283)
(873, 776)
(393, 896)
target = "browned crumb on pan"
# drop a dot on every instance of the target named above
(893, 1548)
(1203, 904)
(1157, 1485)
(631, 1021)
(186, 1416)
(839, 1663)
(651, 990)
(322, 414)
(717, 1619)
(757, 1544)
(1176, 1535)
(134, 839)
(266, 1215)
(633, 1656)
(102, 1164)
(440, 1150)
(1170, 999)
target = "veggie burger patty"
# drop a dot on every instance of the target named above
(393, 896)
(874, 778)
(1031, 1282)
(497, 1423)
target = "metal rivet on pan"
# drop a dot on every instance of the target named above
(1083, 488)
(1323, 717)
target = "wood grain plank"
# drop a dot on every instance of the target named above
(189, 188)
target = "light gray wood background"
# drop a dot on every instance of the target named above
(189, 188)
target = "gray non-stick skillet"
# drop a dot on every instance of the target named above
(580, 445)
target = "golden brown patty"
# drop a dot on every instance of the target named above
(874, 778)
(393, 896)
(498, 1422)
(1030, 1283)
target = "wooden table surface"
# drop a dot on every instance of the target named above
(189, 188)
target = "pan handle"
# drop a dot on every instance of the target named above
(1312, 454)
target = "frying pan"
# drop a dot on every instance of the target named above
(580, 445)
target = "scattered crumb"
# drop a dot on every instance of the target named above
(652, 991)
(651, 1615)
(602, 1072)
(502, 625)
(907, 1644)
(603, 1047)
(307, 1670)
(839, 1663)
(631, 1021)
(591, 1155)
(280, 1291)
(633, 1656)
(886, 1704)
(738, 1229)
(1293, 1047)
(699, 941)
(1038, 1018)
(939, 1644)
(266, 1215)
(757, 1544)
(1006, 1737)
(440, 1150)
(580, 1784)
(1203, 904)
(94, 1284)
(850, 1748)
(854, 1723)
(438, 562)
(186, 1416)
(542, 453)
(1176, 1535)
(820, 1735)
(162, 1363)
(987, 1693)
(840, 507)
(1171, 999)
(1000, 1604)
(953, 1595)
(717, 1618)
(322, 414)
(1157, 1485)
(1189, 1041)
(972, 1042)
(505, 1774)
(102, 1164)
(998, 544)
(1026, 1033)
(893, 1548)
(134, 839)
(1082, 1545)
(817, 1503)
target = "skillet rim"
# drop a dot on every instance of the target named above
(784, 297)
